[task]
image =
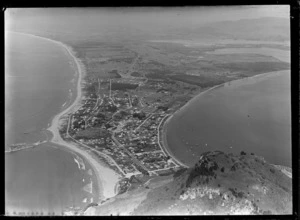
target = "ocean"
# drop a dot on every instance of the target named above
(39, 83)
(251, 115)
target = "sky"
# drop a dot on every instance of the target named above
(139, 20)
(152, 14)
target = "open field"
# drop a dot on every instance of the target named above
(203, 65)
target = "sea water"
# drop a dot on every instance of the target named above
(251, 115)
(38, 81)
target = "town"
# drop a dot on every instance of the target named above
(120, 120)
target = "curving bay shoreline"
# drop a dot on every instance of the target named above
(106, 177)
(195, 98)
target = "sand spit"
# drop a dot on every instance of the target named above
(107, 178)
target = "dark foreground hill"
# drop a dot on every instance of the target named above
(218, 184)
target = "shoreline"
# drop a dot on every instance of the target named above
(165, 143)
(107, 178)
(220, 85)
(165, 124)
(165, 146)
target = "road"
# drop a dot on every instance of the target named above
(91, 149)
(96, 104)
(132, 65)
(113, 101)
(98, 96)
(128, 152)
(143, 122)
(129, 98)
(135, 160)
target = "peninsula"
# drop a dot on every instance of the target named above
(133, 79)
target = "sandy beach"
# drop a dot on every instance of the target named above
(165, 143)
(107, 178)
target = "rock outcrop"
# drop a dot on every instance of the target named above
(219, 184)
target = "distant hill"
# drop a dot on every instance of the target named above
(219, 183)
(83, 24)
(268, 28)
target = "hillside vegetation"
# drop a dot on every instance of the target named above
(219, 183)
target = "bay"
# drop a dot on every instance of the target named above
(251, 115)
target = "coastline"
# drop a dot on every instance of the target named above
(220, 85)
(165, 146)
(107, 178)
(165, 124)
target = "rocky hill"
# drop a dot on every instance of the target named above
(219, 183)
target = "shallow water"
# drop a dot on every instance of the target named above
(251, 115)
